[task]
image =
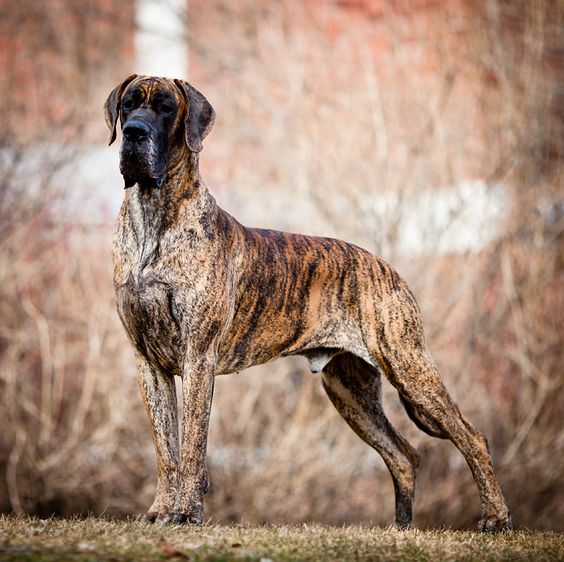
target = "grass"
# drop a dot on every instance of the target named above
(94, 539)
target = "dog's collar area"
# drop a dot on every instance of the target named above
(147, 183)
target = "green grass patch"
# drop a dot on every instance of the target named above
(25, 539)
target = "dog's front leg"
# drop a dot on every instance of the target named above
(159, 395)
(197, 391)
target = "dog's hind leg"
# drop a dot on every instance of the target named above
(402, 353)
(159, 395)
(354, 388)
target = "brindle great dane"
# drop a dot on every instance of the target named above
(201, 295)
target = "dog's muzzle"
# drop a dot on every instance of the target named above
(142, 155)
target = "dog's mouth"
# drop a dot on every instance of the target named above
(142, 162)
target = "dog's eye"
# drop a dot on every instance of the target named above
(127, 104)
(166, 108)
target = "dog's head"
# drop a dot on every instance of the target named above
(160, 118)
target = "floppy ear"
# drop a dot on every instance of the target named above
(111, 107)
(199, 116)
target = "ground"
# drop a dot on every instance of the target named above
(95, 539)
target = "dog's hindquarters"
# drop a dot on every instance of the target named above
(399, 346)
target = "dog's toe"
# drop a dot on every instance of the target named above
(149, 517)
(179, 518)
(494, 524)
(173, 518)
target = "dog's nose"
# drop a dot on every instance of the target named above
(135, 130)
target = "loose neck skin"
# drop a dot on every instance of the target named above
(154, 210)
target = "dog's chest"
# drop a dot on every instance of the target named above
(148, 311)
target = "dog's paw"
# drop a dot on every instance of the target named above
(494, 524)
(172, 518)
(179, 518)
(149, 517)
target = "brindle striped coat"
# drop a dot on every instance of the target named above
(201, 295)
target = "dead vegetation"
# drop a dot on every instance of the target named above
(31, 539)
(314, 132)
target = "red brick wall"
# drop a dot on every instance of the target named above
(55, 57)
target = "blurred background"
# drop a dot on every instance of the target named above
(427, 131)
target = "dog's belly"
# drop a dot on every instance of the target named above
(283, 336)
(318, 349)
(147, 310)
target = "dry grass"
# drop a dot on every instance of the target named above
(30, 539)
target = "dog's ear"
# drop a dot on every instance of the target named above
(199, 116)
(111, 107)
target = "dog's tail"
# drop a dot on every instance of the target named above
(422, 421)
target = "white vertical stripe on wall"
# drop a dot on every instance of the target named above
(160, 44)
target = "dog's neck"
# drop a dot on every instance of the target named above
(154, 210)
